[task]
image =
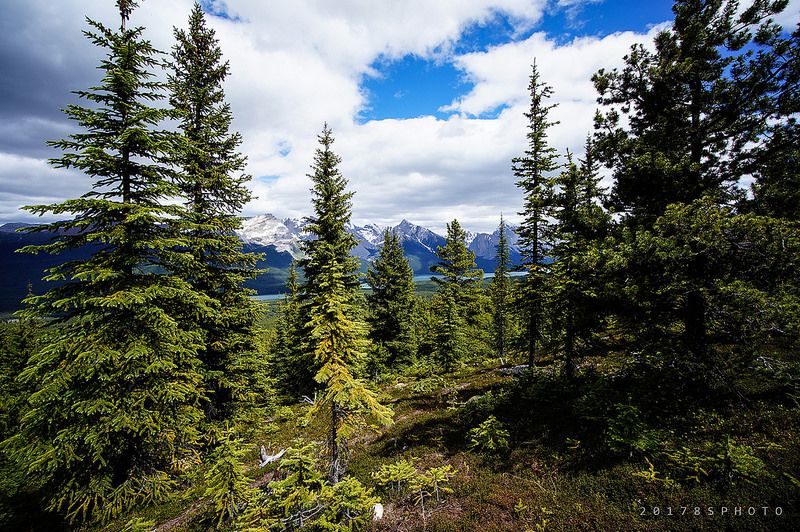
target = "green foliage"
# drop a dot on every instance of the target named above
(138, 524)
(398, 476)
(651, 475)
(676, 127)
(304, 500)
(776, 190)
(430, 383)
(627, 433)
(500, 294)
(335, 331)
(290, 363)
(711, 282)
(450, 334)
(213, 184)
(402, 477)
(114, 410)
(457, 266)
(532, 173)
(227, 483)
(490, 437)
(692, 466)
(350, 507)
(437, 478)
(478, 407)
(733, 461)
(391, 303)
(581, 224)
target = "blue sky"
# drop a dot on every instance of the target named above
(425, 97)
(415, 86)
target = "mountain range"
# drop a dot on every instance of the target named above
(277, 240)
(286, 235)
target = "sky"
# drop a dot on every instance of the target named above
(425, 97)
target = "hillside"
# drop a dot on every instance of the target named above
(576, 455)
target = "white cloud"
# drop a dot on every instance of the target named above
(298, 63)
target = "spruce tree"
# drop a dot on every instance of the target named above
(580, 224)
(114, 413)
(776, 168)
(288, 358)
(500, 291)
(457, 296)
(330, 292)
(449, 331)
(392, 302)
(532, 172)
(212, 183)
(456, 265)
(683, 121)
(696, 109)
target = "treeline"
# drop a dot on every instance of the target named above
(145, 372)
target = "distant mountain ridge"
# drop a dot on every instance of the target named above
(286, 235)
(277, 240)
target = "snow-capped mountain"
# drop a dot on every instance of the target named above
(426, 238)
(418, 242)
(277, 240)
(485, 245)
(266, 230)
(372, 234)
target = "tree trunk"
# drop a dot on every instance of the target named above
(333, 445)
(569, 348)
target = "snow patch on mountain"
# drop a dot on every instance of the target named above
(267, 230)
(286, 235)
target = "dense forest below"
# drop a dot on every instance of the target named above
(640, 371)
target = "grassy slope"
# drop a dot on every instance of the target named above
(559, 473)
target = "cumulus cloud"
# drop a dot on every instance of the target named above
(296, 64)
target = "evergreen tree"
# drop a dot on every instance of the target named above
(213, 184)
(748, 285)
(450, 331)
(115, 409)
(500, 291)
(580, 223)
(458, 296)
(531, 171)
(336, 335)
(456, 265)
(392, 302)
(696, 107)
(289, 363)
(776, 191)
(776, 167)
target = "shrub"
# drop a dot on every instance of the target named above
(396, 476)
(304, 499)
(490, 437)
(627, 433)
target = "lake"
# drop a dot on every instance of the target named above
(417, 279)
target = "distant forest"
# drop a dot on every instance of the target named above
(643, 374)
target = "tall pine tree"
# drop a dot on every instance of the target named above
(532, 172)
(458, 293)
(212, 183)
(683, 121)
(580, 224)
(115, 409)
(500, 292)
(335, 332)
(456, 265)
(392, 302)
